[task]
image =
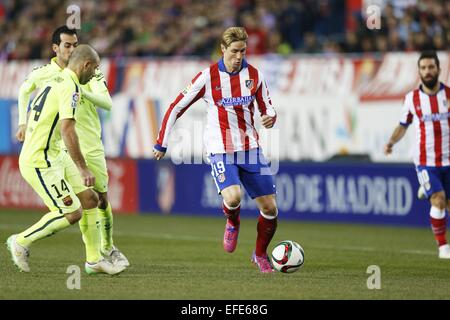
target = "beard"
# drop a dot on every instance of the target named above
(430, 82)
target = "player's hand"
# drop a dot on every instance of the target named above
(267, 121)
(88, 177)
(388, 148)
(20, 134)
(158, 154)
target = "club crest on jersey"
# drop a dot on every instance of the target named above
(75, 99)
(221, 177)
(249, 84)
(67, 201)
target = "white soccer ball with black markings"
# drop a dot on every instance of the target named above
(287, 256)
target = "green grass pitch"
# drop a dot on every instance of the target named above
(181, 257)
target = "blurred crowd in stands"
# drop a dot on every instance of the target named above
(118, 28)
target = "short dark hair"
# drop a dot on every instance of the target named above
(56, 37)
(429, 55)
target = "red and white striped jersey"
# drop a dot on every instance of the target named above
(230, 99)
(431, 115)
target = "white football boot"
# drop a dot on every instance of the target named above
(103, 266)
(444, 251)
(19, 254)
(116, 257)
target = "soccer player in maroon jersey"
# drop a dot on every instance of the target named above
(427, 106)
(231, 88)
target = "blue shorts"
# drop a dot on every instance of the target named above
(247, 167)
(434, 179)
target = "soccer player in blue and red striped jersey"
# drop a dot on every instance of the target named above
(428, 107)
(231, 88)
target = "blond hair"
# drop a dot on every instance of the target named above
(234, 34)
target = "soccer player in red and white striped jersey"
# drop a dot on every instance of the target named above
(428, 107)
(231, 88)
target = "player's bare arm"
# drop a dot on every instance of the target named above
(396, 136)
(70, 138)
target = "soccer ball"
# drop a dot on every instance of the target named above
(287, 256)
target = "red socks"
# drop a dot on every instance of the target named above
(232, 214)
(439, 227)
(266, 229)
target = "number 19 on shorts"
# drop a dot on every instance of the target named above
(218, 168)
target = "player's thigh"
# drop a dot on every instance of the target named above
(431, 179)
(97, 164)
(224, 174)
(72, 174)
(52, 187)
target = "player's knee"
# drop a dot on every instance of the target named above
(438, 200)
(233, 201)
(439, 204)
(89, 199)
(269, 209)
(267, 205)
(75, 216)
(232, 196)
